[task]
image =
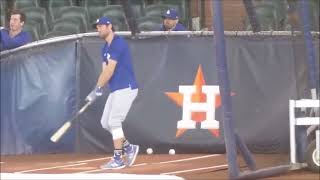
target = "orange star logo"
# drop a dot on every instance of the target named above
(197, 97)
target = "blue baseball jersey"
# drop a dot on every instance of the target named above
(7, 42)
(179, 27)
(123, 75)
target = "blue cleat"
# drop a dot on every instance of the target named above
(114, 164)
(131, 154)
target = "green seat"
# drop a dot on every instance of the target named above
(60, 3)
(55, 5)
(137, 2)
(266, 15)
(119, 25)
(137, 11)
(137, 7)
(117, 16)
(39, 15)
(75, 12)
(113, 11)
(3, 20)
(52, 34)
(314, 13)
(3, 6)
(3, 14)
(279, 7)
(155, 10)
(19, 4)
(94, 3)
(149, 23)
(94, 8)
(69, 25)
(33, 28)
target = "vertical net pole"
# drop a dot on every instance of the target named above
(304, 12)
(221, 62)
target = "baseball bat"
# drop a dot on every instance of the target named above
(64, 128)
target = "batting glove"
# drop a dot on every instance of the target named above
(94, 94)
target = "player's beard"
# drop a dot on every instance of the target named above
(104, 35)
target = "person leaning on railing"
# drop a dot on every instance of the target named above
(171, 21)
(14, 36)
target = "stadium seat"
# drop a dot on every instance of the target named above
(33, 28)
(94, 8)
(39, 15)
(55, 34)
(113, 11)
(94, 13)
(69, 25)
(3, 14)
(19, 4)
(2, 6)
(77, 13)
(94, 3)
(314, 13)
(3, 20)
(267, 17)
(137, 10)
(55, 5)
(60, 3)
(279, 7)
(137, 2)
(119, 25)
(137, 7)
(156, 10)
(117, 16)
(149, 23)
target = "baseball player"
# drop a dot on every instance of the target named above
(171, 21)
(117, 71)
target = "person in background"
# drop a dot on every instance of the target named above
(171, 21)
(14, 36)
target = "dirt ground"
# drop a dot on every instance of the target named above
(187, 166)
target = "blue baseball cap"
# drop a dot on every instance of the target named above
(171, 14)
(102, 21)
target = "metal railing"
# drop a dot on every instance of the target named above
(145, 34)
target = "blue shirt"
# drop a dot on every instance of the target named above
(7, 42)
(179, 27)
(123, 75)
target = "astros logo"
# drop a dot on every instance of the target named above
(199, 102)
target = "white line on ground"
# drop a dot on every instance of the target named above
(142, 164)
(187, 159)
(197, 169)
(90, 171)
(54, 167)
(100, 176)
(97, 170)
(163, 162)
(89, 160)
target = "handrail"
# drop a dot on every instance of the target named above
(144, 34)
